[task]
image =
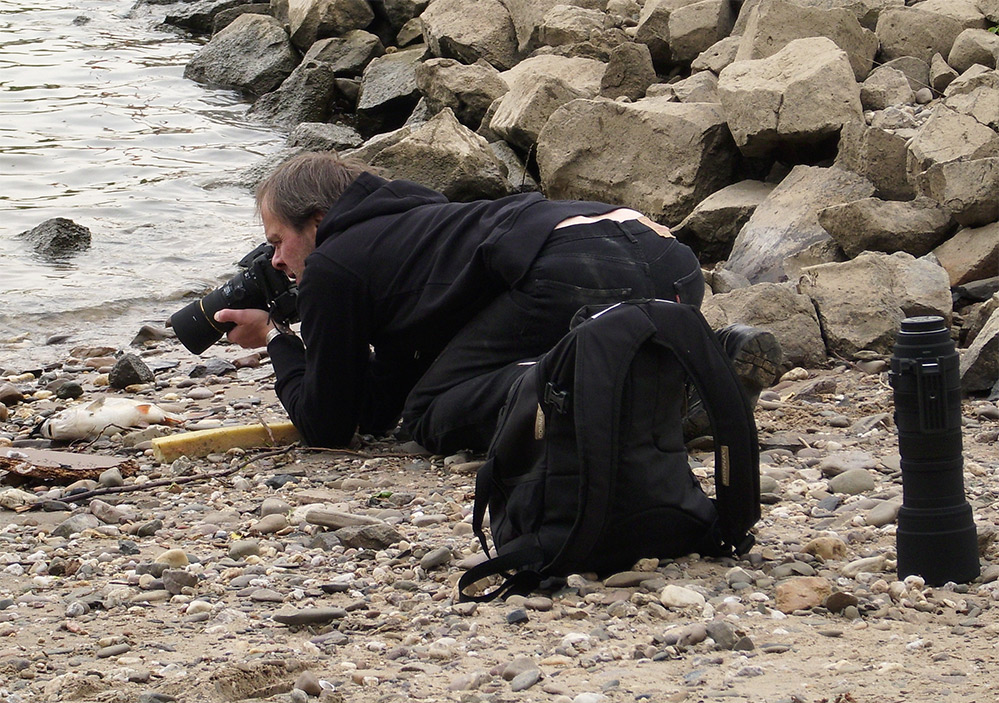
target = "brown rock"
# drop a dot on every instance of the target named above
(829, 548)
(802, 593)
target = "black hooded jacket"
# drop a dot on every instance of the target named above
(399, 268)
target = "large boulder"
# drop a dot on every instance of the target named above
(976, 93)
(973, 46)
(802, 94)
(388, 90)
(629, 72)
(397, 13)
(885, 88)
(715, 222)
(717, 56)
(916, 70)
(916, 31)
(323, 136)
(445, 155)
(980, 362)
(701, 87)
(582, 74)
(947, 136)
(941, 74)
(879, 155)
(253, 54)
(784, 233)
(696, 27)
(199, 16)
(304, 96)
(779, 308)
(569, 24)
(861, 303)
(654, 155)
(58, 238)
(526, 16)
(653, 30)
(776, 23)
(871, 224)
(469, 30)
(347, 55)
(966, 188)
(309, 20)
(971, 254)
(523, 111)
(467, 90)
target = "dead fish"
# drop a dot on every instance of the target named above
(105, 416)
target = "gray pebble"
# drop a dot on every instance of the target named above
(240, 549)
(111, 478)
(308, 682)
(852, 482)
(310, 616)
(266, 595)
(129, 370)
(113, 651)
(882, 514)
(69, 391)
(517, 617)
(176, 580)
(524, 680)
(273, 506)
(434, 558)
(75, 524)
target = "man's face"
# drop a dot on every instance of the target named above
(291, 245)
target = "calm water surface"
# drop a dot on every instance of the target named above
(98, 125)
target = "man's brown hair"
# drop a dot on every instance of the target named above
(306, 184)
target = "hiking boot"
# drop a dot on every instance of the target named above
(756, 355)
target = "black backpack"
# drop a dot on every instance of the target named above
(588, 469)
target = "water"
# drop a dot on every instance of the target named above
(98, 125)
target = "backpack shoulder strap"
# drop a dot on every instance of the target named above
(737, 453)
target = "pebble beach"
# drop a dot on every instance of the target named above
(294, 574)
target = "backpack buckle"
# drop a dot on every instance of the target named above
(555, 397)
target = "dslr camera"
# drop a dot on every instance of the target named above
(259, 285)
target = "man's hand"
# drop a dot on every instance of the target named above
(251, 329)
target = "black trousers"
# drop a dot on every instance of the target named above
(456, 403)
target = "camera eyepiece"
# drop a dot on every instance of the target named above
(259, 285)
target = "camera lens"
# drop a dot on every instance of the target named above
(936, 536)
(195, 324)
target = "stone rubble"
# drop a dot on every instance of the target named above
(330, 575)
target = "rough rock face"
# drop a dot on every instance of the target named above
(58, 237)
(469, 30)
(872, 224)
(715, 222)
(310, 20)
(803, 93)
(861, 303)
(786, 224)
(774, 24)
(666, 183)
(447, 156)
(253, 54)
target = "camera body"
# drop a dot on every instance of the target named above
(259, 285)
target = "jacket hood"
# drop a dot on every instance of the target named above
(371, 196)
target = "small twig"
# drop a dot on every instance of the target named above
(170, 481)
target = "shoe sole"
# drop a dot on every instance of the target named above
(758, 362)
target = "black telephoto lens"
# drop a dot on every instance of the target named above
(936, 536)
